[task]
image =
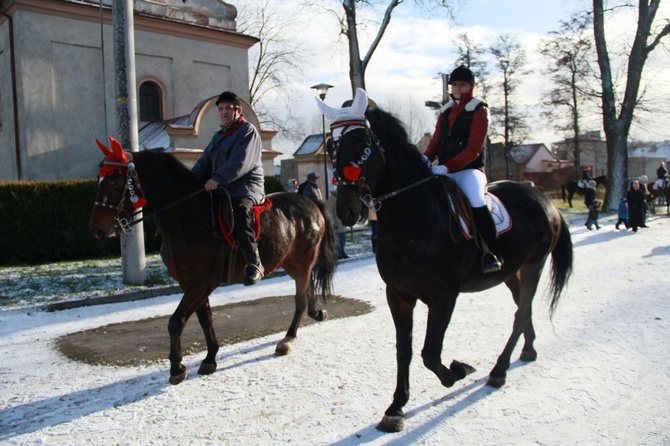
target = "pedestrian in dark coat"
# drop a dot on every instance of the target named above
(636, 206)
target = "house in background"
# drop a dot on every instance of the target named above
(310, 157)
(592, 152)
(55, 101)
(644, 160)
(536, 163)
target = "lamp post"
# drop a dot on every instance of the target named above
(322, 90)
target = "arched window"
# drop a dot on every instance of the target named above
(150, 102)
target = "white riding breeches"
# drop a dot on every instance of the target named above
(473, 184)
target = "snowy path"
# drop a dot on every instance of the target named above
(602, 374)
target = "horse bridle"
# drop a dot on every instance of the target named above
(371, 141)
(133, 187)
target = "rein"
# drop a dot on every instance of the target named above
(129, 225)
(132, 183)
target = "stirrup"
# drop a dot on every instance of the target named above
(491, 263)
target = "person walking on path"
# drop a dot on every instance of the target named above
(592, 205)
(622, 213)
(636, 206)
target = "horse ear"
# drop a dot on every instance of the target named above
(328, 111)
(104, 149)
(360, 103)
(117, 150)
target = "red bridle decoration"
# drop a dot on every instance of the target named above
(352, 173)
(116, 162)
(116, 159)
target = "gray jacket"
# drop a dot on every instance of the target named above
(233, 159)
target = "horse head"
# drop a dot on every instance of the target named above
(356, 155)
(119, 193)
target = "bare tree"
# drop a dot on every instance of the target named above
(510, 59)
(618, 113)
(569, 52)
(473, 55)
(411, 113)
(275, 64)
(351, 24)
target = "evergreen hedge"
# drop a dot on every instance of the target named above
(47, 221)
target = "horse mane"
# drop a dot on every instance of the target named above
(168, 163)
(392, 135)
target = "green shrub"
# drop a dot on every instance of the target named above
(47, 221)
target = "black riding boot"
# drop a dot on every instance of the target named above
(253, 272)
(492, 259)
(246, 239)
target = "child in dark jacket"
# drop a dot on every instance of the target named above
(593, 215)
(623, 214)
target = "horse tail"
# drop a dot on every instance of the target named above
(561, 264)
(326, 263)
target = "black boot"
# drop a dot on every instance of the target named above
(253, 272)
(492, 260)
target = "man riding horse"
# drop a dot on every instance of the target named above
(662, 176)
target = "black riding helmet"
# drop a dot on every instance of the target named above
(462, 73)
(228, 96)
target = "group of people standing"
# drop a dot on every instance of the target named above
(632, 211)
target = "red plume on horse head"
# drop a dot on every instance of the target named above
(115, 158)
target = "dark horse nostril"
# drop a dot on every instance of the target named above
(97, 233)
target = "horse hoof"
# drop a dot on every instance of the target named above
(283, 348)
(391, 424)
(323, 315)
(176, 379)
(461, 369)
(528, 356)
(496, 382)
(207, 368)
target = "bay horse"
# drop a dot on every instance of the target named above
(296, 234)
(421, 251)
(572, 187)
(657, 193)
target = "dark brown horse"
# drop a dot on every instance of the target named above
(572, 187)
(296, 234)
(655, 194)
(422, 253)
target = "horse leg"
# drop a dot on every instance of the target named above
(204, 313)
(317, 314)
(302, 295)
(528, 352)
(439, 316)
(402, 310)
(191, 300)
(523, 287)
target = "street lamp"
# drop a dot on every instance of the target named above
(322, 90)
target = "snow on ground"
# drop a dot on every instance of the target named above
(602, 374)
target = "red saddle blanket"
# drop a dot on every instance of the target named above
(257, 210)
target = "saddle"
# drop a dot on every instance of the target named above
(460, 209)
(223, 230)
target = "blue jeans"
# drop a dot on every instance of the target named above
(342, 241)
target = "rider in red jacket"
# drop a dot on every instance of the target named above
(458, 144)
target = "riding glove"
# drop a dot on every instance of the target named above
(427, 161)
(439, 170)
